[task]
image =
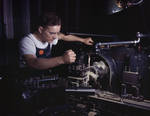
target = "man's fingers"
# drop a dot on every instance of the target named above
(69, 56)
(70, 52)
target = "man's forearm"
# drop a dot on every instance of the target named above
(87, 41)
(45, 63)
(70, 38)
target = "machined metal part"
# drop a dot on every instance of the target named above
(117, 43)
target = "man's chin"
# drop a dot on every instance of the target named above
(50, 41)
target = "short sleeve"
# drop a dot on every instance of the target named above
(27, 46)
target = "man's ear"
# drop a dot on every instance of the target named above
(40, 29)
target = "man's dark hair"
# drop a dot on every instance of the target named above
(48, 19)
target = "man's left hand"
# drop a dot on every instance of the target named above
(88, 41)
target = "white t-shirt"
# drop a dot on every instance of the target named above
(28, 45)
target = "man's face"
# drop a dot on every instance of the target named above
(50, 33)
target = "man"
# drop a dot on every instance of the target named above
(35, 48)
(35, 53)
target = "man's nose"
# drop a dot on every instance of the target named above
(55, 35)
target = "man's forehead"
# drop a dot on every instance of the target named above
(55, 27)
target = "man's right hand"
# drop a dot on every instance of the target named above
(69, 57)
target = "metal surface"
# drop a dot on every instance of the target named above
(117, 43)
(95, 35)
(114, 6)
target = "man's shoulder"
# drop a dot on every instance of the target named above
(28, 37)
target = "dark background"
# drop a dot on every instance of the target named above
(17, 18)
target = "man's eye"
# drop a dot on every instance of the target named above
(52, 33)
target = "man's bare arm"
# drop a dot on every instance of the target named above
(87, 41)
(45, 63)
